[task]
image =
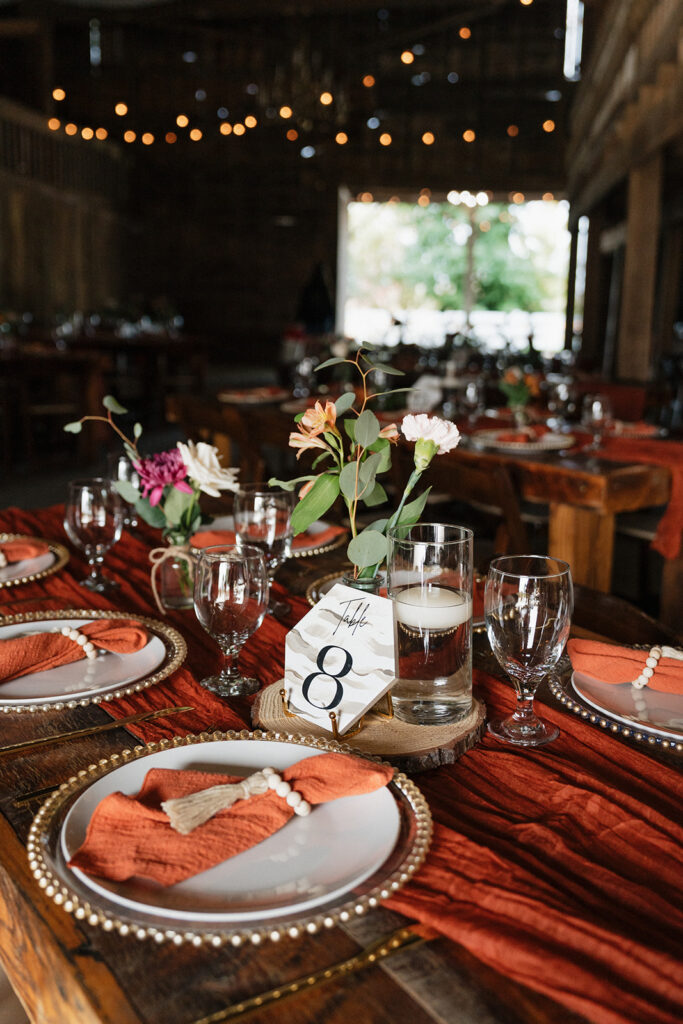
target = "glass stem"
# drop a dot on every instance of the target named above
(524, 712)
(95, 563)
(229, 669)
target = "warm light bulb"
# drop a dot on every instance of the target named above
(366, 197)
(53, 124)
(147, 139)
(171, 137)
(368, 81)
(526, 3)
(285, 112)
(239, 129)
(70, 129)
(513, 131)
(196, 134)
(182, 120)
(548, 126)
(469, 135)
(385, 139)
(423, 201)
(87, 134)
(465, 32)
(326, 98)
(225, 128)
(129, 136)
(341, 138)
(428, 138)
(407, 57)
(517, 197)
(292, 135)
(58, 94)
(101, 134)
(121, 109)
(548, 197)
(250, 121)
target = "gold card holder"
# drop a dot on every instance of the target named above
(388, 714)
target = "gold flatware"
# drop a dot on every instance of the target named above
(411, 936)
(61, 737)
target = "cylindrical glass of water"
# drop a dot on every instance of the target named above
(430, 582)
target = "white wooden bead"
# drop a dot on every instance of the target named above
(81, 640)
(302, 809)
(294, 798)
(274, 780)
(283, 788)
(648, 673)
(267, 771)
(651, 662)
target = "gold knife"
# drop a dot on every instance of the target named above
(412, 935)
(60, 737)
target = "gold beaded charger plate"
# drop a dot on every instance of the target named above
(646, 716)
(30, 569)
(102, 679)
(342, 859)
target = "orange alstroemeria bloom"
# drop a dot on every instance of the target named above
(306, 488)
(304, 442)
(316, 420)
(533, 382)
(513, 375)
(390, 433)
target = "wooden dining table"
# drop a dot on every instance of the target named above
(550, 892)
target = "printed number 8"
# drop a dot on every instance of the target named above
(343, 671)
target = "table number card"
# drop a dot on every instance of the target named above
(340, 657)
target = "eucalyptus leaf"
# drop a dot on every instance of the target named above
(315, 504)
(380, 525)
(382, 446)
(390, 371)
(151, 514)
(347, 480)
(177, 504)
(137, 431)
(367, 428)
(335, 361)
(414, 509)
(73, 428)
(377, 496)
(368, 470)
(344, 402)
(110, 403)
(127, 491)
(368, 548)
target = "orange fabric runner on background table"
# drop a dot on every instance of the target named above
(207, 538)
(131, 836)
(559, 867)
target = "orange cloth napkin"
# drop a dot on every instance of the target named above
(21, 550)
(522, 436)
(131, 836)
(207, 538)
(37, 652)
(611, 664)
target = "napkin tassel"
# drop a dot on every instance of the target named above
(186, 813)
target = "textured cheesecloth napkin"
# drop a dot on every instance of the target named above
(609, 663)
(37, 652)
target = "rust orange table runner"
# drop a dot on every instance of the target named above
(559, 868)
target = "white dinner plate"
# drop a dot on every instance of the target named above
(30, 569)
(649, 710)
(81, 681)
(345, 857)
(309, 862)
(546, 443)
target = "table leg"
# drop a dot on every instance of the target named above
(671, 597)
(583, 537)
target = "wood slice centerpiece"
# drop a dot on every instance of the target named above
(411, 748)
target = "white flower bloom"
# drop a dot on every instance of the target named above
(444, 434)
(204, 468)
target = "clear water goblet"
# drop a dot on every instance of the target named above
(120, 468)
(93, 520)
(528, 603)
(263, 518)
(596, 416)
(230, 601)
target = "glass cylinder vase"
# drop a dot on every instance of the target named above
(175, 578)
(369, 584)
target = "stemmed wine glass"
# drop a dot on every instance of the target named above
(596, 416)
(230, 599)
(528, 602)
(93, 520)
(263, 518)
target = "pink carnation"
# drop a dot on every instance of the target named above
(157, 471)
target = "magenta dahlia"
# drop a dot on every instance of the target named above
(157, 471)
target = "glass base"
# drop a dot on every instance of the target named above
(224, 686)
(430, 712)
(100, 585)
(535, 734)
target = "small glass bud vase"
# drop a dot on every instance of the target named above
(520, 416)
(176, 578)
(368, 584)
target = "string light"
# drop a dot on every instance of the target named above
(182, 120)
(548, 197)
(239, 128)
(368, 81)
(513, 131)
(285, 112)
(101, 134)
(54, 123)
(58, 94)
(341, 138)
(423, 201)
(517, 198)
(366, 197)
(225, 128)
(326, 98)
(171, 137)
(469, 135)
(465, 32)
(385, 139)
(292, 135)
(526, 3)
(548, 126)
(407, 57)
(428, 138)
(147, 139)
(87, 134)
(250, 121)
(129, 136)
(121, 109)
(70, 129)
(196, 134)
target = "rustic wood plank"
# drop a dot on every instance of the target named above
(585, 539)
